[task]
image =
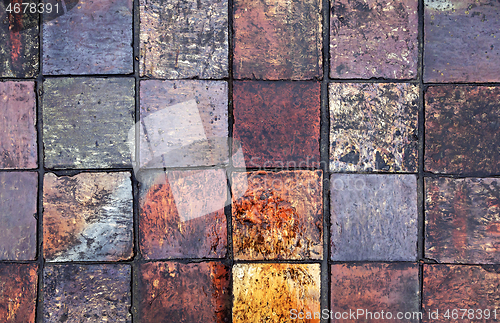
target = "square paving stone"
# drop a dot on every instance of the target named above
(462, 129)
(369, 289)
(18, 215)
(182, 214)
(462, 220)
(18, 147)
(373, 217)
(92, 37)
(184, 39)
(374, 38)
(270, 292)
(18, 286)
(277, 123)
(183, 123)
(86, 122)
(461, 41)
(373, 127)
(90, 293)
(175, 292)
(87, 217)
(277, 215)
(277, 39)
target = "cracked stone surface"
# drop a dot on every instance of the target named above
(18, 289)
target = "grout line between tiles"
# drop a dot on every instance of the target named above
(421, 146)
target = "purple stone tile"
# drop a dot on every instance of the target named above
(18, 291)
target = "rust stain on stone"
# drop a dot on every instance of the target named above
(18, 286)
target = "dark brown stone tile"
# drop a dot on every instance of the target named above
(91, 293)
(462, 220)
(373, 127)
(182, 39)
(17, 126)
(374, 38)
(87, 217)
(182, 214)
(184, 292)
(94, 37)
(462, 130)
(367, 290)
(277, 215)
(18, 202)
(86, 122)
(277, 124)
(461, 41)
(18, 285)
(269, 292)
(278, 39)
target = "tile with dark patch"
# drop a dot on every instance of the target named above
(462, 129)
(462, 41)
(373, 217)
(176, 292)
(268, 292)
(373, 127)
(277, 215)
(182, 214)
(17, 126)
(182, 39)
(94, 37)
(277, 39)
(18, 286)
(375, 287)
(87, 293)
(86, 122)
(277, 124)
(462, 220)
(18, 202)
(374, 38)
(87, 217)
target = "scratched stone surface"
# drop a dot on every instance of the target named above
(182, 39)
(375, 287)
(88, 217)
(87, 293)
(373, 127)
(461, 41)
(277, 215)
(184, 293)
(374, 39)
(182, 214)
(18, 286)
(183, 123)
(94, 37)
(277, 124)
(277, 39)
(86, 122)
(373, 217)
(456, 287)
(462, 130)
(18, 203)
(17, 126)
(267, 292)
(462, 220)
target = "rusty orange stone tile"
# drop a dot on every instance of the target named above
(375, 292)
(18, 286)
(17, 126)
(276, 292)
(182, 214)
(462, 220)
(277, 215)
(276, 39)
(184, 292)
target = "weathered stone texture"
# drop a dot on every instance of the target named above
(373, 217)
(18, 285)
(88, 217)
(374, 38)
(86, 122)
(277, 39)
(373, 127)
